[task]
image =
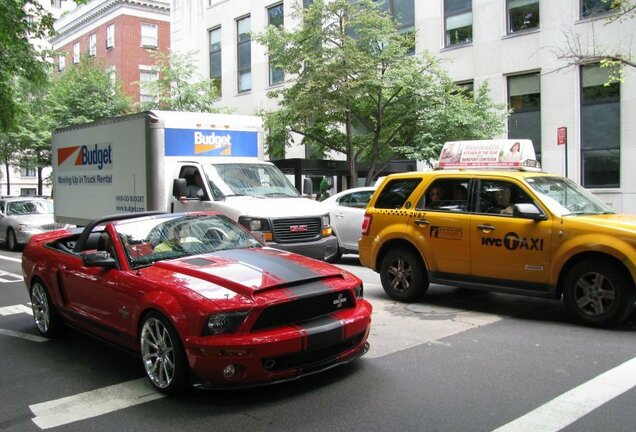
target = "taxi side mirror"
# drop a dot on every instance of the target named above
(528, 211)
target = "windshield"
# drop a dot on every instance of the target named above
(564, 197)
(29, 208)
(261, 180)
(177, 236)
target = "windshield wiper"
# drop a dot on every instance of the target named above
(282, 194)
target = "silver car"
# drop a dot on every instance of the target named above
(22, 217)
(346, 211)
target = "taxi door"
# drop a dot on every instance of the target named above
(440, 227)
(507, 250)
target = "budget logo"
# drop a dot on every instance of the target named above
(99, 156)
(219, 144)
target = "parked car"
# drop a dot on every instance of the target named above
(22, 217)
(346, 211)
(198, 297)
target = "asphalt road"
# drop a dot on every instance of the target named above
(457, 361)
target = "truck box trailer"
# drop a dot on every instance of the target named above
(155, 160)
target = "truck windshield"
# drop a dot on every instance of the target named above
(564, 197)
(249, 179)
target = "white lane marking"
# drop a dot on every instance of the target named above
(8, 277)
(21, 335)
(574, 404)
(93, 403)
(10, 258)
(16, 309)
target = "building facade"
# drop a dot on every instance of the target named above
(121, 33)
(518, 46)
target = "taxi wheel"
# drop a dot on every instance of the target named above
(162, 355)
(12, 241)
(403, 275)
(598, 293)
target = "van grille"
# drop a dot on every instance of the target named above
(295, 230)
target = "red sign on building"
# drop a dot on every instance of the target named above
(562, 135)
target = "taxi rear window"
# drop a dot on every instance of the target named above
(396, 192)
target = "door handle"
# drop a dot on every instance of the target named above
(339, 215)
(421, 222)
(485, 227)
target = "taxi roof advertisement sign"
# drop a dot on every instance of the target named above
(503, 153)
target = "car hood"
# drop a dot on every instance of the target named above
(33, 219)
(621, 222)
(245, 271)
(280, 207)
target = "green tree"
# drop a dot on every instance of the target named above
(178, 87)
(85, 93)
(358, 92)
(20, 22)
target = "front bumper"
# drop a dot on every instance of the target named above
(280, 354)
(321, 249)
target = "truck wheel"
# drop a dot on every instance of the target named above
(12, 241)
(598, 293)
(403, 275)
(335, 257)
(46, 318)
(162, 354)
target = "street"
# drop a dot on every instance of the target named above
(459, 360)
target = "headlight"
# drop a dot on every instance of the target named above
(28, 228)
(223, 323)
(254, 224)
(326, 221)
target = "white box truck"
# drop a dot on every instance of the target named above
(182, 161)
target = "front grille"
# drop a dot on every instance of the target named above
(304, 309)
(308, 359)
(294, 230)
(52, 226)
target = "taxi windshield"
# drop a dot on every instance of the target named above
(564, 197)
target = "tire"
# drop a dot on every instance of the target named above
(162, 355)
(47, 320)
(12, 241)
(403, 275)
(598, 293)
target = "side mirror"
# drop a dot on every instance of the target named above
(99, 259)
(179, 188)
(308, 187)
(528, 211)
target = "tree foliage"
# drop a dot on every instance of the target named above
(178, 87)
(85, 93)
(20, 22)
(357, 90)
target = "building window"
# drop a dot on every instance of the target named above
(146, 93)
(403, 12)
(112, 76)
(215, 58)
(600, 129)
(466, 88)
(276, 19)
(522, 15)
(76, 53)
(57, 4)
(92, 45)
(307, 3)
(61, 62)
(595, 7)
(244, 51)
(26, 170)
(149, 35)
(524, 98)
(110, 36)
(458, 21)
(28, 191)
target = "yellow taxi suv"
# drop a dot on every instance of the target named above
(510, 229)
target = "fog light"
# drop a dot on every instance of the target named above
(229, 371)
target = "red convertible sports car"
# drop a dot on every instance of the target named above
(200, 299)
